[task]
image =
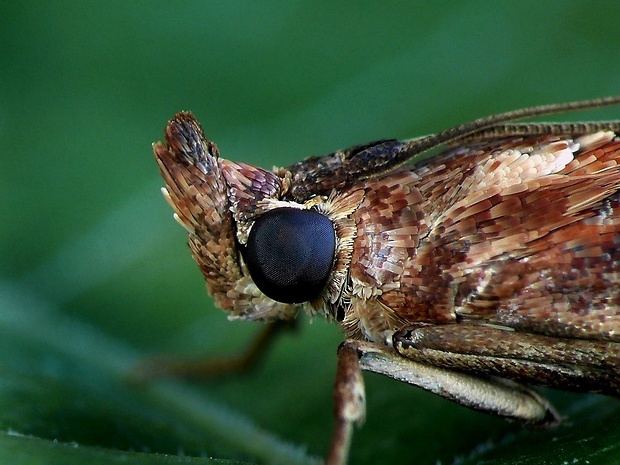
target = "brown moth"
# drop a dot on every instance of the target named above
(488, 267)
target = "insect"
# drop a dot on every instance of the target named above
(472, 274)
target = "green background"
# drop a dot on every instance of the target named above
(95, 275)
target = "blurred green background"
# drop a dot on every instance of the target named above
(95, 274)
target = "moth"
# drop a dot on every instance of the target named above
(489, 267)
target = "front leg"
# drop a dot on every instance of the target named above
(349, 403)
(487, 394)
(579, 365)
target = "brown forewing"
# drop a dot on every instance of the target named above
(523, 233)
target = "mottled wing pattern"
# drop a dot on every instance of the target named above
(526, 234)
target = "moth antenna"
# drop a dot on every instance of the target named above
(543, 129)
(423, 144)
(342, 168)
(449, 135)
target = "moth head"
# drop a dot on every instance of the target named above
(263, 255)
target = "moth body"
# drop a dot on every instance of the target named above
(499, 257)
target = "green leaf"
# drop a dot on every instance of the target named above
(23, 450)
(65, 381)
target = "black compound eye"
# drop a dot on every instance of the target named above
(290, 253)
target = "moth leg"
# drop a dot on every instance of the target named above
(349, 403)
(564, 363)
(487, 394)
(205, 368)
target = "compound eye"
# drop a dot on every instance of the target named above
(290, 253)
